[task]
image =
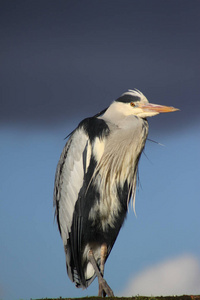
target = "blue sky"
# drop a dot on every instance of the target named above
(61, 62)
(167, 205)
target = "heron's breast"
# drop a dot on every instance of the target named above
(105, 211)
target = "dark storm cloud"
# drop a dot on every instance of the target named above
(69, 59)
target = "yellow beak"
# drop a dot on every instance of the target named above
(157, 108)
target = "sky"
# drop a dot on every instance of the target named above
(62, 61)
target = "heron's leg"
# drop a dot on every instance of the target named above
(101, 280)
(104, 251)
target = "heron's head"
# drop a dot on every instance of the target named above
(135, 103)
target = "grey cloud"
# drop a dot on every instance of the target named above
(64, 60)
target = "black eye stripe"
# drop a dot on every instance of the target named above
(128, 99)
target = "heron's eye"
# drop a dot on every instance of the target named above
(132, 104)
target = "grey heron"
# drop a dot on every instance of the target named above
(95, 180)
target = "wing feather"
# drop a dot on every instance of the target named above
(73, 175)
(69, 179)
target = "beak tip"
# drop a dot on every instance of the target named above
(175, 109)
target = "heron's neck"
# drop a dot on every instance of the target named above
(113, 114)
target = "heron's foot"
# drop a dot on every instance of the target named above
(104, 288)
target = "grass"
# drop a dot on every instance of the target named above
(183, 297)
